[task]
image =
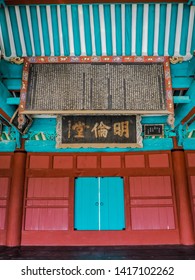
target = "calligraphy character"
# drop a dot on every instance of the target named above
(79, 128)
(121, 129)
(100, 130)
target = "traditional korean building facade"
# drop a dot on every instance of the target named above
(97, 195)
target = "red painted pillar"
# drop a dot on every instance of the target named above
(15, 208)
(184, 213)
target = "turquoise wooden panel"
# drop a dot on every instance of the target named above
(75, 26)
(193, 38)
(162, 25)
(151, 24)
(35, 28)
(86, 204)
(173, 25)
(128, 33)
(87, 30)
(45, 30)
(139, 29)
(55, 30)
(96, 19)
(26, 32)
(108, 29)
(118, 20)
(15, 30)
(112, 214)
(4, 31)
(63, 13)
(184, 31)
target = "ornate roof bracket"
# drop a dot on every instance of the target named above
(176, 59)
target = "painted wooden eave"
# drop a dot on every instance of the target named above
(155, 29)
(31, 2)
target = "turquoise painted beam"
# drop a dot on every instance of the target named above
(10, 71)
(49, 146)
(189, 144)
(4, 94)
(12, 84)
(181, 99)
(154, 120)
(184, 69)
(13, 100)
(7, 146)
(181, 82)
(183, 109)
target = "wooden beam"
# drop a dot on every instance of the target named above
(176, 99)
(189, 115)
(13, 100)
(4, 115)
(28, 2)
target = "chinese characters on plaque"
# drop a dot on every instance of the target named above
(98, 131)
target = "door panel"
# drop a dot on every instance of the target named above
(99, 203)
(112, 203)
(86, 204)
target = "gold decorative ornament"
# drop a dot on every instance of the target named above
(176, 59)
(17, 60)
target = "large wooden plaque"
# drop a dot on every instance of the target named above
(98, 131)
(96, 85)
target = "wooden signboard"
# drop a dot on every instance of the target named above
(96, 85)
(98, 131)
(154, 130)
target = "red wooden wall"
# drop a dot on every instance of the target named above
(46, 204)
(190, 164)
(149, 198)
(153, 207)
(151, 203)
(5, 180)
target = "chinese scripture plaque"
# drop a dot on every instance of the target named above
(98, 85)
(99, 131)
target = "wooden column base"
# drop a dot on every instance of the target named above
(15, 208)
(184, 213)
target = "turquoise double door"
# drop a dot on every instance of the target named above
(99, 203)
